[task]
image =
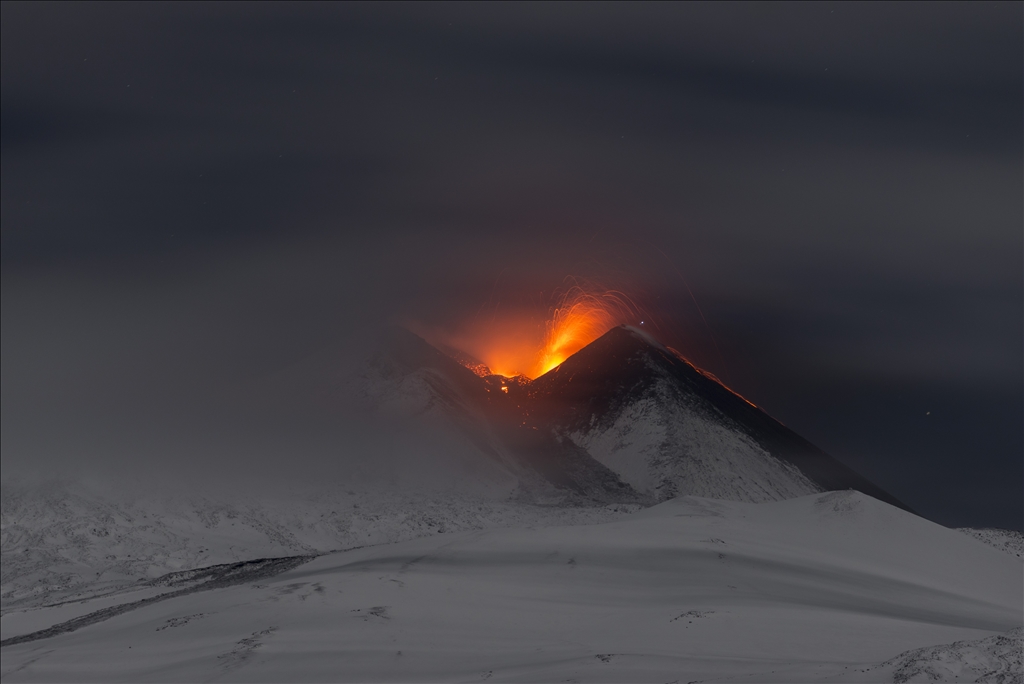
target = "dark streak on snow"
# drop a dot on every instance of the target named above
(693, 615)
(215, 576)
(242, 651)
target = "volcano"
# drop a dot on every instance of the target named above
(625, 419)
(761, 577)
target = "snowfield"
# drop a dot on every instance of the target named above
(826, 587)
(67, 541)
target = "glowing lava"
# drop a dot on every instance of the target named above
(580, 319)
(517, 345)
(520, 345)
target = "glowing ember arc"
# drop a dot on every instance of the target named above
(581, 318)
(519, 346)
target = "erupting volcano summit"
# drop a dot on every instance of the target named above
(622, 419)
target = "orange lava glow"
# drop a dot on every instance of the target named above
(581, 318)
(519, 343)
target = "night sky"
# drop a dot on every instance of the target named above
(820, 203)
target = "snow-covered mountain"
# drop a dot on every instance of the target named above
(669, 429)
(485, 527)
(825, 587)
(623, 419)
(623, 423)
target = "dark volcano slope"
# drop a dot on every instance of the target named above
(592, 388)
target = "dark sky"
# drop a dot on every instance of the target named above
(196, 198)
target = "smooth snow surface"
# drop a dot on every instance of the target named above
(827, 587)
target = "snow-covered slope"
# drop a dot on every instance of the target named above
(64, 541)
(410, 387)
(664, 445)
(669, 429)
(481, 424)
(993, 659)
(822, 587)
(1010, 541)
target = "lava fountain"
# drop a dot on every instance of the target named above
(518, 344)
(579, 319)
